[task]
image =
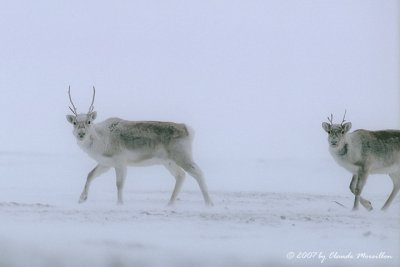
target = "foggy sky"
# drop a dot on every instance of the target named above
(255, 79)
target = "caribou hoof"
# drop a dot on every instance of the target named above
(83, 198)
(366, 204)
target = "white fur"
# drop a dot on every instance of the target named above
(365, 152)
(104, 143)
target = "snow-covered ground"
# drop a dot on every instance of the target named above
(41, 223)
(255, 79)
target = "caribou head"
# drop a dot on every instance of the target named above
(82, 122)
(336, 132)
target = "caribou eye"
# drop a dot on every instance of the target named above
(74, 122)
(329, 132)
(342, 132)
(88, 122)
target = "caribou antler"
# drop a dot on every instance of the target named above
(343, 118)
(331, 119)
(73, 109)
(91, 108)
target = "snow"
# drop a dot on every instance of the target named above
(41, 223)
(255, 79)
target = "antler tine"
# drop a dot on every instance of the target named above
(91, 108)
(72, 103)
(345, 111)
(331, 119)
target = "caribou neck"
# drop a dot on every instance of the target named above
(90, 140)
(341, 150)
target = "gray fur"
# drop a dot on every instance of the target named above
(117, 143)
(364, 152)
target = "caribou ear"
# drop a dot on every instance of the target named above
(93, 115)
(70, 118)
(326, 126)
(346, 127)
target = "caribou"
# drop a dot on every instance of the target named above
(364, 152)
(117, 143)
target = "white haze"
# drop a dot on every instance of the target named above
(255, 79)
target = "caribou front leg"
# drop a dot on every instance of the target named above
(359, 185)
(120, 181)
(364, 202)
(98, 170)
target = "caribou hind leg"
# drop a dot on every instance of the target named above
(179, 175)
(181, 154)
(184, 160)
(194, 170)
(396, 187)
